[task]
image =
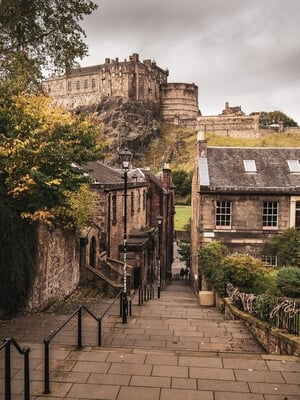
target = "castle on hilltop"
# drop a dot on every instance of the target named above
(130, 79)
(144, 81)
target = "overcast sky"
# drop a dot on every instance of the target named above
(240, 51)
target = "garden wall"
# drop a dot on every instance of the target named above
(274, 341)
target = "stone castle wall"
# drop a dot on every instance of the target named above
(137, 80)
(230, 125)
(86, 86)
(130, 79)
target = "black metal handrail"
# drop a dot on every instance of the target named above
(146, 293)
(25, 352)
(77, 312)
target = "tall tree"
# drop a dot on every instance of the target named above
(286, 246)
(38, 148)
(38, 143)
(39, 35)
(275, 117)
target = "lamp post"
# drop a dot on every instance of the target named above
(125, 156)
(159, 221)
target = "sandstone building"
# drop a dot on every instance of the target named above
(95, 255)
(243, 197)
(231, 122)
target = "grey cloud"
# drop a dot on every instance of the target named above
(235, 49)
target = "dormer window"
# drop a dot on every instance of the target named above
(250, 166)
(294, 165)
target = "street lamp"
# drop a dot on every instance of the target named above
(159, 221)
(125, 156)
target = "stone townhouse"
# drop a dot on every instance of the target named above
(102, 248)
(243, 197)
(160, 213)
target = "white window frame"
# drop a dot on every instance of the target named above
(269, 215)
(222, 214)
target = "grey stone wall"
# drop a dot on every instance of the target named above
(58, 267)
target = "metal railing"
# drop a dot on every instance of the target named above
(78, 313)
(25, 352)
(146, 293)
(285, 315)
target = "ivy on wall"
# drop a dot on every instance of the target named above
(18, 260)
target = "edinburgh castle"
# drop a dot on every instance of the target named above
(143, 82)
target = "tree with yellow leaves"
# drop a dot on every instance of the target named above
(39, 182)
(39, 145)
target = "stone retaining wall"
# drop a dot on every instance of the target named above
(274, 341)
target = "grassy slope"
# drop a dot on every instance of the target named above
(182, 217)
(176, 145)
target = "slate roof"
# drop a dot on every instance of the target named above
(223, 169)
(103, 174)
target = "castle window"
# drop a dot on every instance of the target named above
(270, 214)
(93, 83)
(69, 86)
(78, 85)
(86, 83)
(223, 214)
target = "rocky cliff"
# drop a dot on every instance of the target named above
(131, 122)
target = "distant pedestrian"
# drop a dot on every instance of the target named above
(182, 273)
(187, 273)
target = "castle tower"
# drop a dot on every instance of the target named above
(179, 103)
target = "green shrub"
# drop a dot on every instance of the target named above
(288, 281)
(286, 246)
(267, 283)
(210, 257)
(264, 305)
(241, 271)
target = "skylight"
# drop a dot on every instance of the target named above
(294, 165)
(250, 166)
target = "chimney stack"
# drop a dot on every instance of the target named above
(166, 176)
(201, 145)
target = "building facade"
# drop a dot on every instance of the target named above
(148, 197)
(243, 197)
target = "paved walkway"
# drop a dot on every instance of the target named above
(170, 349)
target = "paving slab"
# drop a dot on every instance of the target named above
(170, 349)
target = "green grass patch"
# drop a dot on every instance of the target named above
(182, 217)
(176, 145)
